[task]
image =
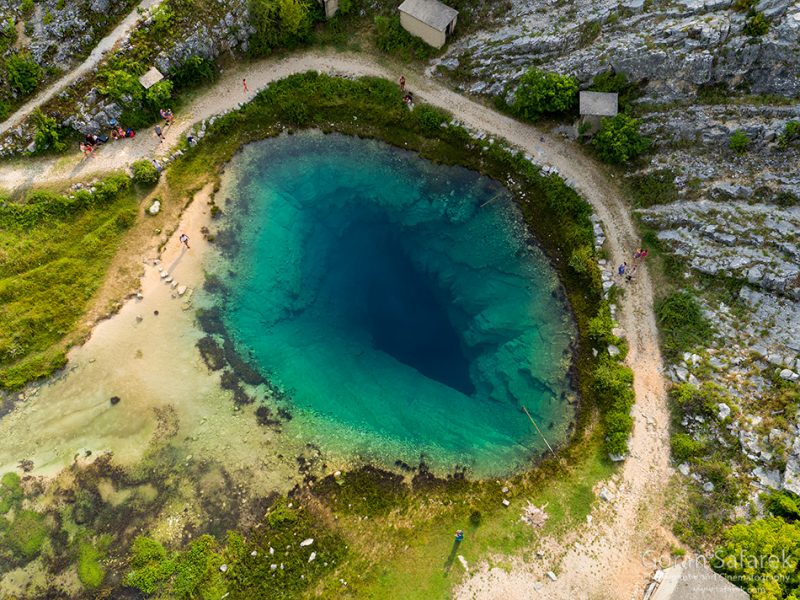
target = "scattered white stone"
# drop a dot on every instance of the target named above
(154, 208)
(708, 486)
(683, 469)
(273, 567)
(505, 490)
(724, 411)
(789, 375)
(463, 562)
(271, 550)
(616, 457)
(307, 542)
(164, 274)
(181, 290)
(506, 502)
(223, 567)
(606, 495)
(613, 351)
(312, 557)
(254, 553)
(551, 576)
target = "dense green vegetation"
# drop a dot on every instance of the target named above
(619, 140)
(763, 557)
(90, 555)
(145, 172)
(23, 73)
(543, 93)
(756, 25)
(54, 252)
(612, 82)
(279, 23)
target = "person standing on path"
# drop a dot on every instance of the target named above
(622, 268)
(402, 83)
(244, 85)
(184, 239)
(459, 535)
(160, 134)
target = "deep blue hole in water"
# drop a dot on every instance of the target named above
(399, 306)
(398, 303)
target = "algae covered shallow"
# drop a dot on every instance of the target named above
(400, 304)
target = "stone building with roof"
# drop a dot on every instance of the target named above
(429, 20)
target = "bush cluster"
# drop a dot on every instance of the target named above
(393, 39)
(619, 140)
(543, 93)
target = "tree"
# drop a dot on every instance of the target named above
(541, 93)
(24, 73)
(278, 23)
(159, 95)
(47, 135)
(144, 172)
(122, 85)
(619, 139)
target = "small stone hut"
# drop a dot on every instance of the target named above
(430, 20)
(596, 105)
(693, 580)
(152, 77)
(329, 7)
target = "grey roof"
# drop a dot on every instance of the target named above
(430, 12)
(693, 580)
(602, 104)
(152, 77)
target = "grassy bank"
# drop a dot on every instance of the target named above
(55, 249)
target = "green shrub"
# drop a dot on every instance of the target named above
(123, 86)
(684, 447)
(600, 326)
(756, 25)
(23, 73)
(429, 118)
(48, 17)
(48, 134)
(160, 94)
(393, 39)
(8, 35)
(542, 93)
(588, 32)
(682, 323)
(619, 140)
(791, 133)
(27, 6)
(783, 504)
(145, 172)
(27, 533)
(739, 142)
(763, 556)
(281, 515)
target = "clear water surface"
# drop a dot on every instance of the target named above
(403, 315)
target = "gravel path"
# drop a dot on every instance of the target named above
(603, 558)
(107, 43)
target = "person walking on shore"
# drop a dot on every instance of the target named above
(402, 83)
(244, 86)
(160, 134)
(184, 239)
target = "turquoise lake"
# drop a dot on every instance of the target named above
(401, 305)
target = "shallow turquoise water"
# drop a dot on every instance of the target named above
(401, 317)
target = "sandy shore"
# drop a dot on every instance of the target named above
(151, 363)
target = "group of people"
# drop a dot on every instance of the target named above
(408, 98)
(91, 141)
(628, 271)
